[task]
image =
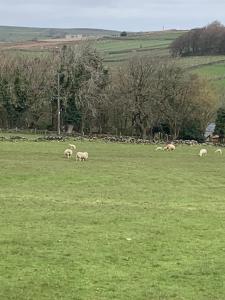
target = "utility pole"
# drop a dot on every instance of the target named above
(58, 109)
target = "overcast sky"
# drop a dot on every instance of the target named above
(131, 15)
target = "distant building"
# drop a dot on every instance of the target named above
(74, 36)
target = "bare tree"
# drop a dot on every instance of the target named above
(137, 87)
(202, 41)
(160, 92)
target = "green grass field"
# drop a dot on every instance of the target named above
(152, 44)
(212, 71)
(130, 223)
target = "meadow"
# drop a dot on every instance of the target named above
(121, 49)
(130, 223)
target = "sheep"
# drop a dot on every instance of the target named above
(68, 153)
(73, 147)
(203, 152)
(81, 156)
(159, 148)
(86, 155)
(169, 147)
(219, 151)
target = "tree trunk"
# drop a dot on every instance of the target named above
(82, 125)
(143, 132)
(100, 129)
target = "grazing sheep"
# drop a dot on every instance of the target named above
(169, 147)
(203, 152)
(159, 148)
(73, 147)
(68, 153)
(219, 151)
(81, 156)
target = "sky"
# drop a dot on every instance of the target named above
(129, 15)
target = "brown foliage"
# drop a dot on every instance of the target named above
(202, 41)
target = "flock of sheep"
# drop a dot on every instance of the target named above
(171, 147)
(203, 152)
(81, 156)
(168, 147)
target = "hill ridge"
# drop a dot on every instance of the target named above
(26, 33)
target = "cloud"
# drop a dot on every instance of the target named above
(112, 14)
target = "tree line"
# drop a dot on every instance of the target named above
(209, 40)
(140, 97)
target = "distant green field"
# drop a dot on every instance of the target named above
(210, 67)
(130, 223)
(212, 71)
(120, 45)
(196, 62)
(120, 49)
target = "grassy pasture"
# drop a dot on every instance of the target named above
(212, 71)
(131, 223)
(127, 44)
(115, 49)
(196, 62)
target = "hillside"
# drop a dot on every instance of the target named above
(156, 44)
(114, 49)
(18, 34)
(118, 49)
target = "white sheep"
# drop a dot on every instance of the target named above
(159, 148)
(81, 156)
(73, 147)
(68, 153)
(169, 147)
(219, 151)
(203, 152)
